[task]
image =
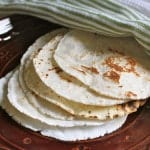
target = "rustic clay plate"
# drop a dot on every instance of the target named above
(134, 135)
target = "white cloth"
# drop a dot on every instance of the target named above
(142, 6)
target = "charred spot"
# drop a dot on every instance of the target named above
(132, 105)
(39, 50)
(128, 67)
(58, 70)
(115, 51)
(107, 117)
(116, 116)
(130, 94)
(110, 61)
(50, 69)
(91, 69)
(95, 117)
(79, 70)
(112, 75)
(68, 80)
(89, 112)
(120, 86)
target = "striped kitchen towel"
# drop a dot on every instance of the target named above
(108, 17)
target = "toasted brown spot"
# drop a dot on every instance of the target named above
(128, 67)
(120, 86)
(68, 80)
(115, 51)
(52, 68)
(116, 116)
(58, 70)
(131, 106)
(130, 94)
(131, 62)
(91, 69)
(95, 117)
(39, 49)
(110, 61)
(112, 75)
(89, 112)
(79, 70)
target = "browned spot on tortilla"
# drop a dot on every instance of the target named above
(95, 117)
(132, 106)
(89, 111)
(39, 49)
(52, 68)
(57, 69)
(132, 63)
(91, 69)
(128, 67)
(120, 86)
(115, 51)
(110, 61)
(130, 94)
(116, 116)
(79, 70)
(112, 75)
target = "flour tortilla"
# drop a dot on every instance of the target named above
(84, 133)
(61, 133)
(39, 43)
(42, 106)
(14, 113)
(115, 67)
(78, 109)
(63, 84)
(19, 100)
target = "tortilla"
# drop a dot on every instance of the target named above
(63, 84)
(41, 105)
(61, 133)
(114, 67)
(78, 109)
(19, 100)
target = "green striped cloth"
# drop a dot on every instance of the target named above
(106, 17)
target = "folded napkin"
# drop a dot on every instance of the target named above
(110, 17)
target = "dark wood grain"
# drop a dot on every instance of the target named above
(134, 135)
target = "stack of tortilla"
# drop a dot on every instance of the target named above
(75, 85)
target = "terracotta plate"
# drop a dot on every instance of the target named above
(134, 135)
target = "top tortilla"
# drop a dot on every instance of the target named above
(114, 67)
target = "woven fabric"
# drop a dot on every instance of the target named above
(109, 17)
